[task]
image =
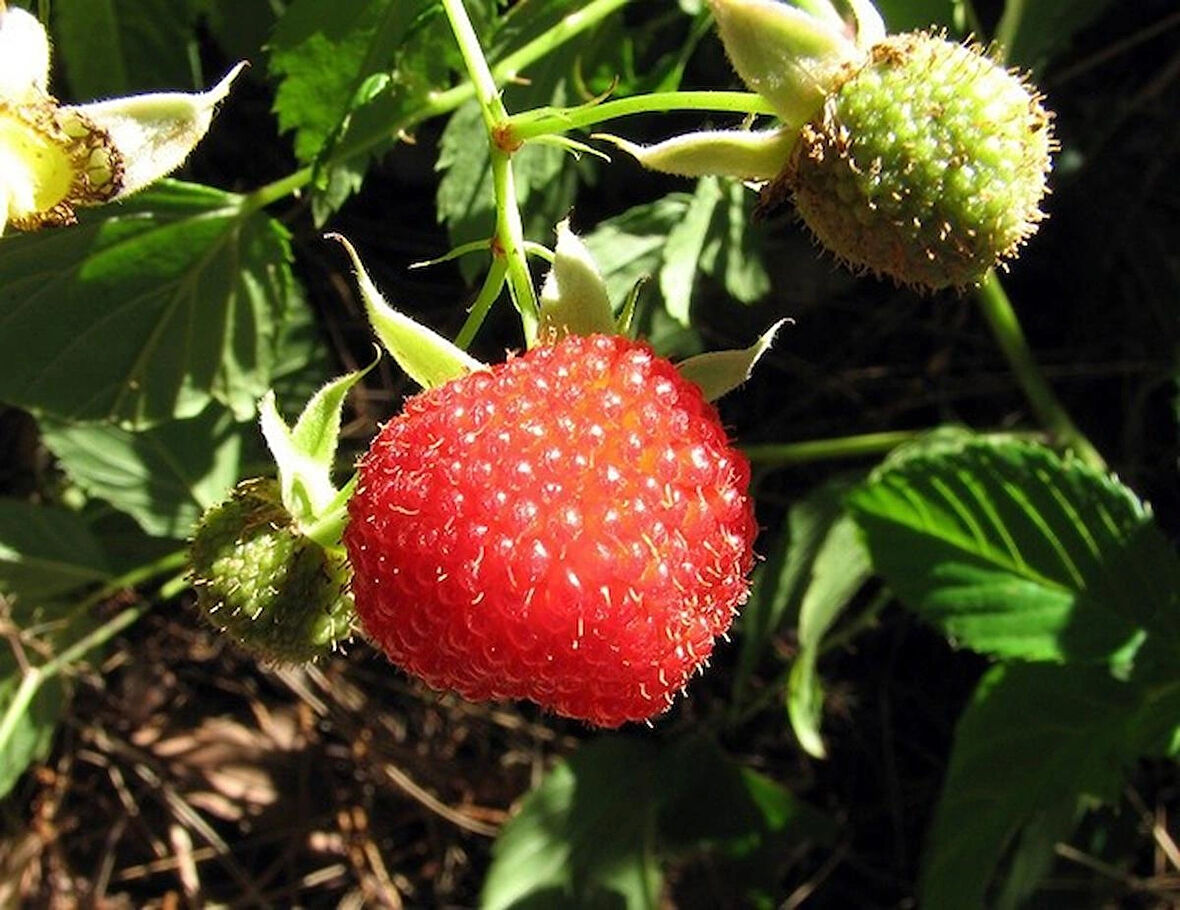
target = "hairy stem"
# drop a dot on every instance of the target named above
(789, 453)
(532, 124)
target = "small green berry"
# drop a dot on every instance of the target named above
(927, 163)
(280, 594)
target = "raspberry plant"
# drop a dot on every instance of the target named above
(553, 485)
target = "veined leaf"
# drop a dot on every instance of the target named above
(1015, 553)
(161, 477)
(146, 314)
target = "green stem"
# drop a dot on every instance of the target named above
(1005, 326)
(35, 677)
(532, 124)
(789, 453)
(492, 285)
(1008, 27)
(510, 243)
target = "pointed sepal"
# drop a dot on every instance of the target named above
(573, 298)
(154, 134)
(427, 357)
(306, 453)
(744, 154)
(788, 56)
(718, 372)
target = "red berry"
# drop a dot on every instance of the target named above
(571, 527)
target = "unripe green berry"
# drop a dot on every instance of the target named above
(927, 163)
(280, 594)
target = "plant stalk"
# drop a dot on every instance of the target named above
(1005, 327)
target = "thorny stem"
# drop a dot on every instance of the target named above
(1005, 326)
(35, 677)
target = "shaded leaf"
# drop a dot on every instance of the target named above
(176, 298)
(164, 477)
(1032, 33)
(584, 837)
(1034, 741)
(122, 46)
(46, 551)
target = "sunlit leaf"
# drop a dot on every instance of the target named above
(146, 311)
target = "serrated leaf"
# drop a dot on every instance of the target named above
(164, 477)
(719, 372)
(145, 311)
(573, 297)
(46, 551)
(1015, 553)
(584, 837)
(120, 46)
(1035, 739)
(322, 57)
(428, 358)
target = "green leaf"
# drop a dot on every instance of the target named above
(734, 251)
(1033, 33)
(630, 246)
(146, 311)
(781, 582)
(322, 56)
(32, 732)
(161, 477)
(720, 372)
(1015, 553)
(122, 46)
(45, 551)
(682, 249)
(584, 837)
(1034, 741)
(428, 358)
(841, 567)
(708, 801)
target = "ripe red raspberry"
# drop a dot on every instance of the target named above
(571, 527)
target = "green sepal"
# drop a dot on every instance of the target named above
(306, 453)
(427, 358)
(573, 298)
(745, 154)
(718, 372)
(625, 324)
(786, 55)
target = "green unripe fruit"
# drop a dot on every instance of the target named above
(927, 163)
(280, 594)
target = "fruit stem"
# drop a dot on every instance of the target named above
(1005, 326)
(790, 453)
(34, 678)
(532, 124)
(492, 285)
